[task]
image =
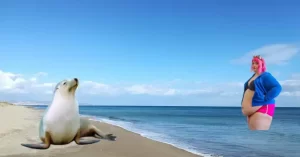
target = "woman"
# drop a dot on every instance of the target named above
(260, 91)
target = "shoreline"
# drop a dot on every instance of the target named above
(140, 134)
(127, 144)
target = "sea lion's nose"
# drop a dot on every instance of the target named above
(76, 79)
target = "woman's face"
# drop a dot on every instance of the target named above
(254, 66)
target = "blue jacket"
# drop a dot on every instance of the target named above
(267, 88)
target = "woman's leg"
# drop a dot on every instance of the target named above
(262, 119)
(248, 111)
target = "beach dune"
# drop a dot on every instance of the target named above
(19, 124)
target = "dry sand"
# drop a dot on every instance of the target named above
(19, 124)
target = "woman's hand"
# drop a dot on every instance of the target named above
(248, 111)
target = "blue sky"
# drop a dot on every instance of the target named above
(144, 48)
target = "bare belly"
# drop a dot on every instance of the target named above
(247, 100)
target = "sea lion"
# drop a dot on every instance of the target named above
(61, 123)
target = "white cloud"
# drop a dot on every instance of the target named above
(273, 54)
(95, 88)
(41, 74)
(290, 87)
(296, 76)
(16, 86)
(295, 93)
(16, 83)
(195, 88)
(149, 89)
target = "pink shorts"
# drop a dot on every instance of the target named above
(267, 109)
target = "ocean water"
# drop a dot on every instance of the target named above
(208, 131)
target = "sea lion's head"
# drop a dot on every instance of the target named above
(66, 87)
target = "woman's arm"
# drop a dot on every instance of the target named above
(272, 87)
(248, 111)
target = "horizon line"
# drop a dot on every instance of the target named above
(157, 106)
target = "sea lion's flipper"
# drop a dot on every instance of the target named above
(84, 142)
(44, 145)
(36, 146)
(110, 137)
(99, 134)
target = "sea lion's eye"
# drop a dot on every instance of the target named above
(65, 83)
